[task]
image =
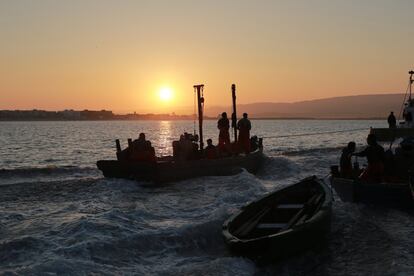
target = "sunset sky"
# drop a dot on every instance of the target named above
(119, 55)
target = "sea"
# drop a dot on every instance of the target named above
(60, 216)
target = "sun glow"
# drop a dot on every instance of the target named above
(165, 94)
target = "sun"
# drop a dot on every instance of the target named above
(165, 94)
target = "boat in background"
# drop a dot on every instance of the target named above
(282, 223)
(169, 168)
(394, 189)
(404, 128)
(391, 192)
(166, 169)
(383, 193)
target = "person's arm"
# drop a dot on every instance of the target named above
(361, 153)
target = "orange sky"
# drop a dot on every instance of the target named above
(117, 54)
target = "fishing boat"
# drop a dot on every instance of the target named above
(391, 188)
(404, 128)
(282, 223)
(167, 169)
(395, 192)
(170, 168)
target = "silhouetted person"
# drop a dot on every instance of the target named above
(210, 151)
(392, 122)
(345, 163)
(223, 125)
(254, 143)
(375, 155)
(408, 117)
(244, 126)
(142, 149)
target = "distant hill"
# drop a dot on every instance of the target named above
(353, 107)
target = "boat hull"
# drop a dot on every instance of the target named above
(390, 134)
(166, 171)
(284, 242)
(351, 190)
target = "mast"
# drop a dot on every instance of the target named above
(411, 83)
(234, 115)
(200, 103)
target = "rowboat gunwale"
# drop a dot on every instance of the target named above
(318, 220)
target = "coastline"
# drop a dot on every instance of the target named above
(190, 119)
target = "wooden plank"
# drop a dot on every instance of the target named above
(300, 213)
(271, 225)
(248, 226)
(290, 206)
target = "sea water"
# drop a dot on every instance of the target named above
(58, 215)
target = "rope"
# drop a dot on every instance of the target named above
(315, 133)
(402, 105)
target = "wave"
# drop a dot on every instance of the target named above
(45, 171)
(46, 174)
(308, 152)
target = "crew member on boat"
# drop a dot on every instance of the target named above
(186, 148)
(254, 143)
(345, 163)
(244, 126)
(142, 150)
(407, 114)
(375, 155)
(210, 151)
(392, 122)
(223, 125)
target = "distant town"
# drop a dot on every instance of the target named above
(84, 115)
(358, 107)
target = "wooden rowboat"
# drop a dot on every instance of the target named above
(167, 169)
(282, 223)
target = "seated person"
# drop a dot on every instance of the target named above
(210, 152)
(375, 155)
(184, 148)
(345, 164)
(254, 143)
(142, 150)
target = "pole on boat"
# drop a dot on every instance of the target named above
(234, 115)
(411, 82)
(200, 100)
(118, 145)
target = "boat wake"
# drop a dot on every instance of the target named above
(120, 226)
(46, 174)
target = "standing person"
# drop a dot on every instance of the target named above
(345, 163)
(392, 122)
(244, 126)
(375, 155)
(224, 136)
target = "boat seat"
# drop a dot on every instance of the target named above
(290, 206)
(271, 225)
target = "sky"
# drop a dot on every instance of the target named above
(118, 55)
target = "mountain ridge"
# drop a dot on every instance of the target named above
(356, 106)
